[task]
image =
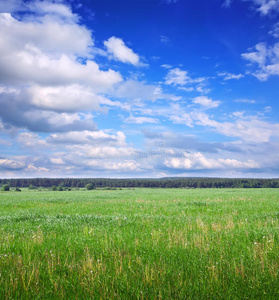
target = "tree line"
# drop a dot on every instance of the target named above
(188, 182)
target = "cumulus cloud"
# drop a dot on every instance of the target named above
(197, 161)
(79, 152)
(183, 118)
(51, 85)
(105, 159)
(112, 152)
(11, 164)
(30, 139)
(39, 32)
(64, 98)
(88, 138)
(45, 71)
(52, 91)
(31, 65)
(179, 78)
(115, 166)
(56, 161)
(266, 58)
(206, 102)
(259, 56)
(32, 53)
(45, 83)
(119, 51)
(18, 111)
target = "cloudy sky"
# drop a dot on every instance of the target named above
(139, 88)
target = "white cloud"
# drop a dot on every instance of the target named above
(259, 56)
(202, 88)
(266, 58)
(19, 111)
(187, 89)
(31, 66)
(30, 139)
(206, 102)
(229, 76)
(119, 51)
(124, 106)
(57, 161)
(115, 166)
(46, 79)
(92, 158)
(184, 118)
(88, 138)
(197, 161)
(64, 98)
(78, 152)
(38, 33)
(52, 85)
(133, 89)
(166, 66)
(111, 152)
(180, 78)
(48, 121)
(264, 7)
(275, 30)
(54, 8)
(177, 77)
(11, 164)
(249, 129)
(31, 53)
(141, 120)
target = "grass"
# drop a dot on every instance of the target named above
(140, 244)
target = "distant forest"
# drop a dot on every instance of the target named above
(195, 182)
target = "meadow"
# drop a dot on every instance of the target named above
(140, 244)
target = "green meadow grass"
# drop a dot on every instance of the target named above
(140, 244)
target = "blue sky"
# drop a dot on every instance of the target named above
(106, 88)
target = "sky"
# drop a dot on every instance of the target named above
(139, 88)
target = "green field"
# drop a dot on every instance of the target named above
(140, 244)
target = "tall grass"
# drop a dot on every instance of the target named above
(140, 244)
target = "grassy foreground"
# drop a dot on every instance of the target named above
(140, 244)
